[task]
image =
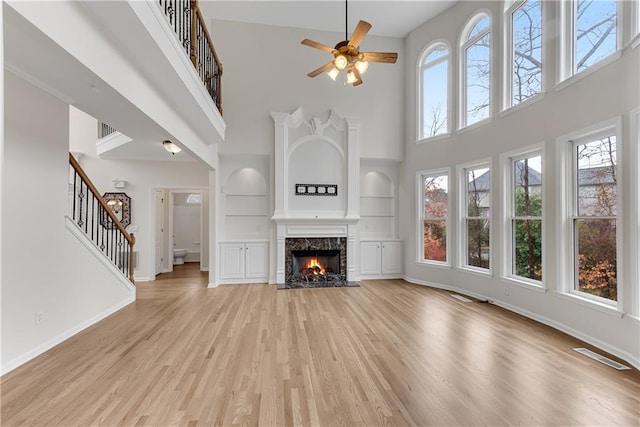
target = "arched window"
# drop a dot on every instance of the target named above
(476, 70)
(434, 91)
(523, 32)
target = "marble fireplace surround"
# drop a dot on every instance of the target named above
(293, 244)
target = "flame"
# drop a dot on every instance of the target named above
(312, 264)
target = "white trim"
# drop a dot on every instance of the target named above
(581, 299)
(97, 253)
(524, 284)
(628, 357)
(433, 138)
(477, 271)
(527, 102)
(634, 206)
(588, 71)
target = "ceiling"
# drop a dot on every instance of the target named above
(389, 18)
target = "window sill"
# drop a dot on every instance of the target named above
(433, 138)
(596, 305)
(585, 73)
(476, 125)
(634, 42)
(523, 104)
(537, 287)
(476, 271)
(436, 264)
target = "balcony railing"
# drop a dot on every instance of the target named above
(105, 130)
(187, 22)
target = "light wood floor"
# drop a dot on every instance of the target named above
(386, 353)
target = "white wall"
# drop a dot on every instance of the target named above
(44, 267)
(265, 71)
(606, 94)
(142, 177)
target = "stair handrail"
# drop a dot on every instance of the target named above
(130, 237)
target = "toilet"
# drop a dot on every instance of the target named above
(178, 256)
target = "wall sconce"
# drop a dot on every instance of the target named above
(171, 147)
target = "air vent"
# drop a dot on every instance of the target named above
(601, 359)
(461, 298)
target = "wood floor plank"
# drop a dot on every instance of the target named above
(386, 353)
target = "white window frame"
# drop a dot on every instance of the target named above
(420, 98)
(420, 176)
(566, 203)
(507, 161)
(511, 7)
(464, 44)
(566, 58)
(463, 216)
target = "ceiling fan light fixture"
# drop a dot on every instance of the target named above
(351, 77)
(362, 66)
(333, 73)
(341, 61)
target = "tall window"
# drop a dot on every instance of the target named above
(434, 215)
(526, 217)
(594, 32)
(476, 214)
(525, 49)
(476, 58)
(434, 91)
(594, 216)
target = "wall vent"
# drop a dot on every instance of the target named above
(601, 359)
(135, 258)
(461, 298)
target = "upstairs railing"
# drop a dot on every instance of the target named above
(92, 214)
(187, 22)
(105, 130)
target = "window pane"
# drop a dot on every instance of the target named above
(478, 243)
(435, 196)
(597, 262)
(527, 182)
(437, 53)
(478, 78)
(527, 242)
(527, 51)
(596, 178)
(435, 94)
(478, 192)
(595, 36)
(435, 240)
(479, 27)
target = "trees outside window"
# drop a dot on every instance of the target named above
(595, 213)
(434, 215)
(477, 210)
(594, 32)
(525, 38)
(526, 217)
(434, 91)
(476, 60)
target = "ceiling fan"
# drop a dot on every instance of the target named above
(346, 54)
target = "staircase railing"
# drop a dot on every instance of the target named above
(92, 214)
(188, 23)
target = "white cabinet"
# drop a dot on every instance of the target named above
(243, 262)
(381, 258)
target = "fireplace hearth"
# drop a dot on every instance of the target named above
(316, 262)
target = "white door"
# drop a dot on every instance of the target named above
(256, 260)
(159, 207)
(232, 261)
(369, 258)
(392, 258)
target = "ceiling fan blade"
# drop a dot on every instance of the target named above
(358, 81)
(317, 45)
(386, 57)
(320, 70)
(361, 30)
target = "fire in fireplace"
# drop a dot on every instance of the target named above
(316, 265)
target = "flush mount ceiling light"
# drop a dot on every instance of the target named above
(171, 147)
(346, 54)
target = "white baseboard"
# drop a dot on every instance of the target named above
(212, 285)
(143, 279)
(630, 358)
(21, 360)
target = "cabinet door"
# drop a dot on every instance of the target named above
(369, 258)
(232, 261)
(256, 260)
(391, 257)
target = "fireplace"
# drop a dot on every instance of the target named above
(316, 262)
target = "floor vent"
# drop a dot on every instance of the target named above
(602, 359)
(461, 298)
